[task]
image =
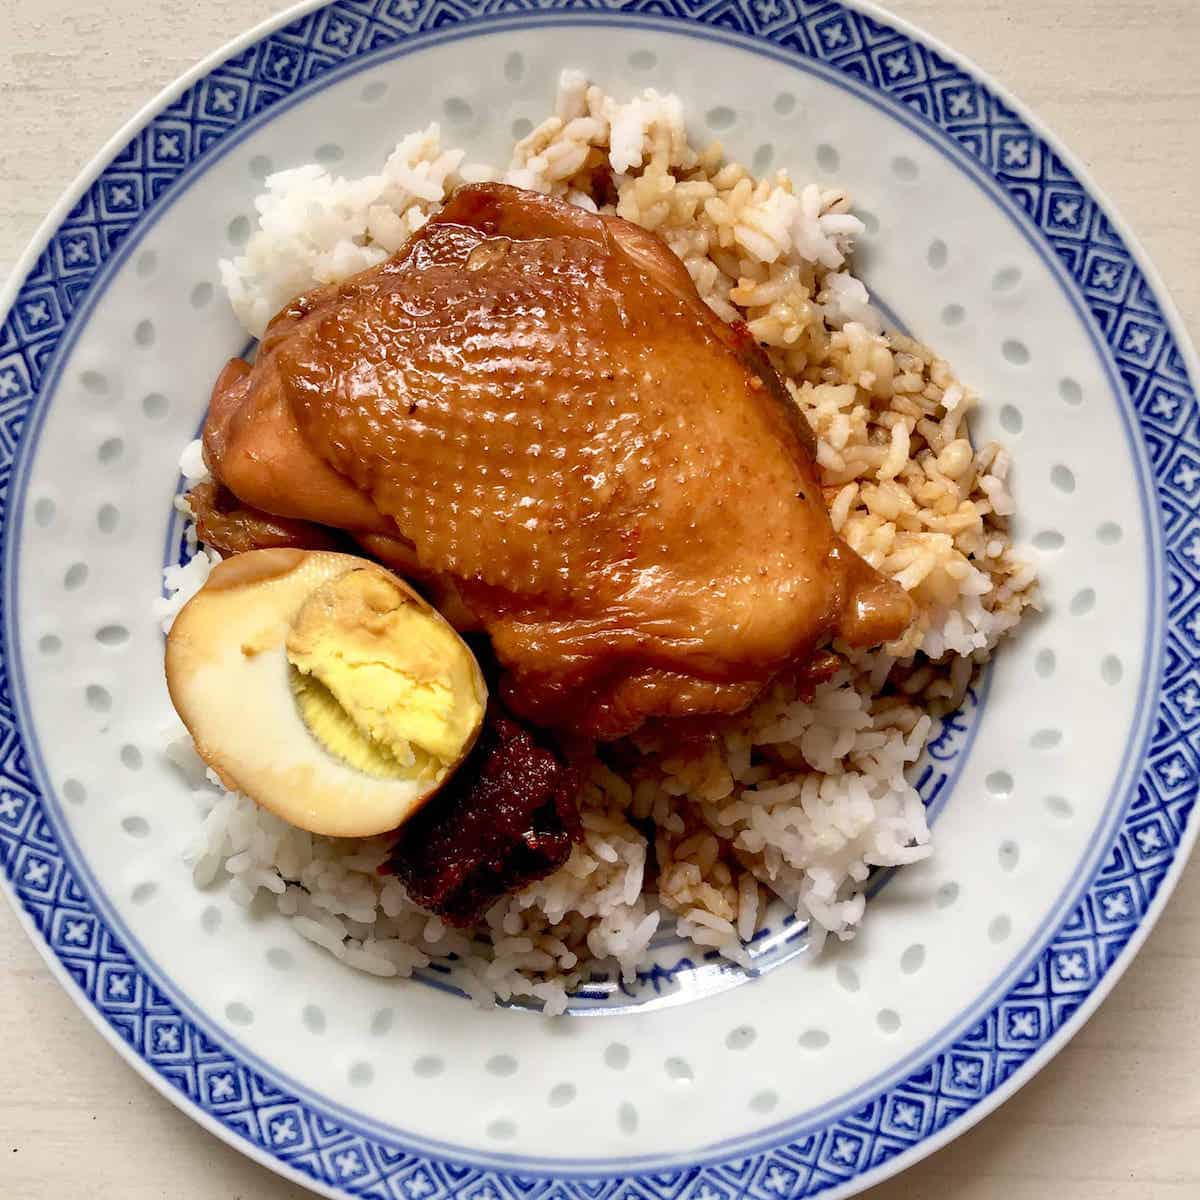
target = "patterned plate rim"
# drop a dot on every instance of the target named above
(1068, 976)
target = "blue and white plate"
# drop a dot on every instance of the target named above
(1064, 797)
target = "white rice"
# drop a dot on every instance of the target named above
(798, 800)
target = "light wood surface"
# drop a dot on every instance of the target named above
(1117, 1115)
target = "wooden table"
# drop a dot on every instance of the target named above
(1117, 1115)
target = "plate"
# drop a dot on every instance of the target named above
(1063, 797)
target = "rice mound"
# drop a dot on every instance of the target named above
(793, 802)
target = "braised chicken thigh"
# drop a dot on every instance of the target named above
(530, 410)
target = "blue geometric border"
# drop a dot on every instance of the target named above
(1154, 821)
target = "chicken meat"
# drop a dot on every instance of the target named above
(530, 410)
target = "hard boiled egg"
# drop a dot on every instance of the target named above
(324, 688)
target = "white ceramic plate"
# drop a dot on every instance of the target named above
(1064, 799)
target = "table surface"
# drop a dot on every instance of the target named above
(1116, 1116)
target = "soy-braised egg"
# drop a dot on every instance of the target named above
(324, 688)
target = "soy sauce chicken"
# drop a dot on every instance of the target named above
(531, 410)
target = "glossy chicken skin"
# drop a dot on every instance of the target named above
(530, 409)
(226, 525)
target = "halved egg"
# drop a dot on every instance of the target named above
(324, 688)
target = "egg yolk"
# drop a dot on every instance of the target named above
(379, 684)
